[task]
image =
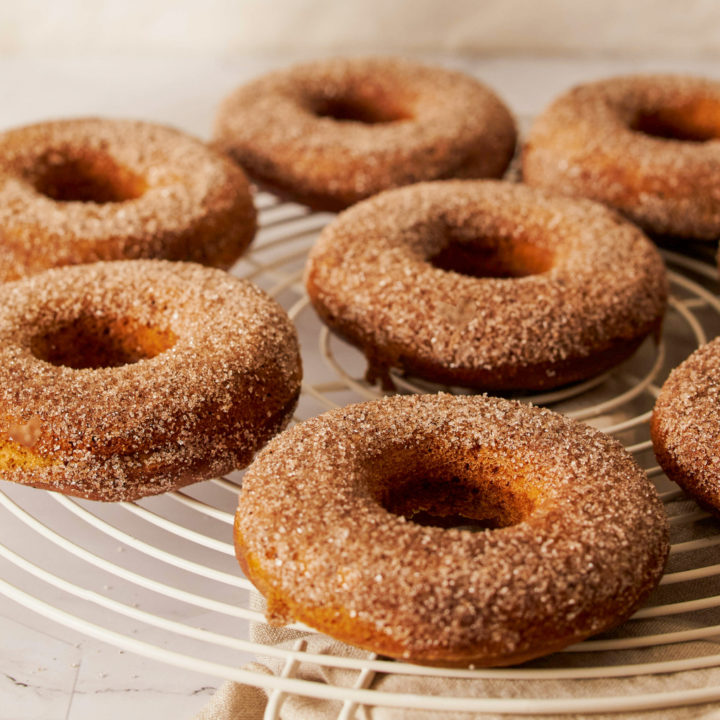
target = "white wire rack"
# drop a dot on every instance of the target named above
(111, 571)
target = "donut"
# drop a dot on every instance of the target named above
(125, 379)
(486, 284)
(685, 426)
(86, 190)
(574, 534)
(645, 145)
(332, 132)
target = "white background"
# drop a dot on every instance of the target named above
(690, 28)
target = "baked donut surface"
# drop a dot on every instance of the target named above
(646, 145)
(487, 284)
(90, 189)
(332, 132)
(125, 379)
(575, 536)
(685, 426)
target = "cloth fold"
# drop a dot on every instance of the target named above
(235, 701)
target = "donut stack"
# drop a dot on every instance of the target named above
(125, 379)
(468, 282)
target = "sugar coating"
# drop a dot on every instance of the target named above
(686, 425)
(370, 278)
(451, 126)
(201, 407)
(194, 204)
(584, 145)
(318, 543)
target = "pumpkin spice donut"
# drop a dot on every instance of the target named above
(685, 426)
(487, 284)
(647, 145)
(332, 132)
(125, 379)
(575, 536)
(79, 191)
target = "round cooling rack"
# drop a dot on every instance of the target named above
(111, 571)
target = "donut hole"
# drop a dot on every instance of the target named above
(86, 177)
(102, 342)
(496, 257)
(352, 108)
(696, 123)
(475, 499)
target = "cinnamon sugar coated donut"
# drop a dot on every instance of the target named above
(646, 145)
(79, 191)
(487, 284)
(119, 380)
(685, 426)
(332, 132)
(576, 536)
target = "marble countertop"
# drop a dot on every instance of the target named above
(48, 670)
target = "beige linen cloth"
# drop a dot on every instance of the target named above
(234, 701)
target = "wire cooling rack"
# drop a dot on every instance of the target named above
(112, 571)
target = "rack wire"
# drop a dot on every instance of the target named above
(112, 571)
